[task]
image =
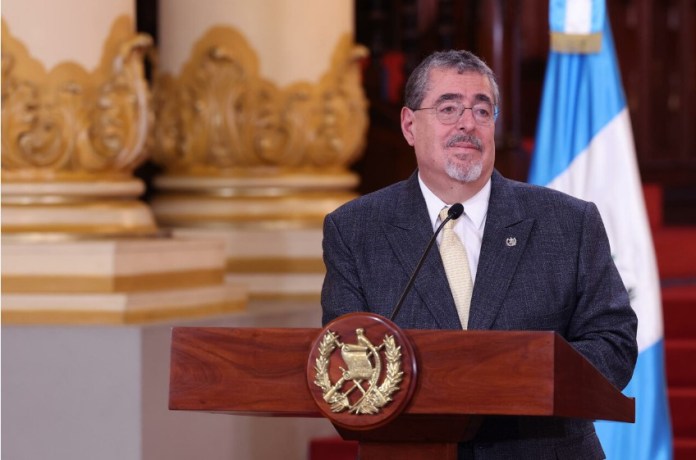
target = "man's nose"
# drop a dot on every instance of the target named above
(466, 120)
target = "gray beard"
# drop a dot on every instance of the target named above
(465, 174)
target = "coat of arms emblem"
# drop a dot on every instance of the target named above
(359, 389)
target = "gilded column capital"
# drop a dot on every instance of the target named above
(220, 117)
(239, 150)
(72, 137)
(70, 123)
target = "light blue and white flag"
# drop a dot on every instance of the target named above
(584, 147)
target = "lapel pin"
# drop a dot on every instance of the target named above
(511, 241)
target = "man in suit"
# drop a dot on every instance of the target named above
(538, 259)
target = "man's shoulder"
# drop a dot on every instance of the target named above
(537, 196)
(374, 202)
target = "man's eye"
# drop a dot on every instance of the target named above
(447, 108)
(482, 111)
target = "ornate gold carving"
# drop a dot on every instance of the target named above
(364, 365)
(71, 139)
(68, 123)
(219, 117)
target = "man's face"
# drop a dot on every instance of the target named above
(463, 152)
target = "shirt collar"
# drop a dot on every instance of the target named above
(475, 207)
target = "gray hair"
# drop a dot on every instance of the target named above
(461, 60)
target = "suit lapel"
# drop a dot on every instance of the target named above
(408, 230)
(504, 240)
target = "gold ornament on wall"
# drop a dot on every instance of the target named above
(69, 123)
(220, 117)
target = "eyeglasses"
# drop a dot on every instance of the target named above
(449, 112)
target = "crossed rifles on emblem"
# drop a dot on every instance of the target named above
(361, 368)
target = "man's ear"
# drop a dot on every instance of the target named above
(407, 122)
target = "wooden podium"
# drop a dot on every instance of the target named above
(436, 386)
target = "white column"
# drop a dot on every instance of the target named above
(294, 40)
(260, 114)
(75, 119)
(38, 24)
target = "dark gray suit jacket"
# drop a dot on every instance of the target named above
(558, 276)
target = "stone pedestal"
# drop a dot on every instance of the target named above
(101, 392)
(115, 281)
(270, 263)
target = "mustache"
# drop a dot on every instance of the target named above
(457, 138)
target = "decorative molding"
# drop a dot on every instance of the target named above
(108, 284)
(140, 316)
(274, 265)
(283, 211)
(221, 118)
(238, 151)
(72, 124)
(71, 139)
(116, 281)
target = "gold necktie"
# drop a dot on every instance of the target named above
(456, 264)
